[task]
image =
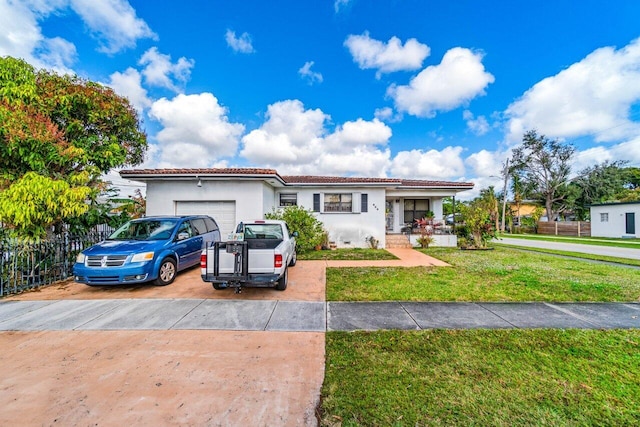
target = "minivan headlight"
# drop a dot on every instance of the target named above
(142, 257)
(80, 258)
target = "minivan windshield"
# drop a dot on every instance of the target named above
(145, 229)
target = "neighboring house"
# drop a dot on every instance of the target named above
(615, 219)
(525, 209)
(351, 209)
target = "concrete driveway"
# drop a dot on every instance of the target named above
(164, 377)
(145, 368)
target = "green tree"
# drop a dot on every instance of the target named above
(62, 128)
(35, 201)
(544, 166)
(596, 184)
(480, 217)
(310, 230)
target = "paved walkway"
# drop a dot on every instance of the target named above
(305, 316)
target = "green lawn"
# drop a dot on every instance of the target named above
(482, 378)
(502, 274)
(347, 254)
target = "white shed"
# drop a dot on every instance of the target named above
(615, 219)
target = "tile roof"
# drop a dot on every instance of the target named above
(293, 179)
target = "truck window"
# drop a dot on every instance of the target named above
(262, 231)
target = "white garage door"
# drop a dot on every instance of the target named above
(223, 212)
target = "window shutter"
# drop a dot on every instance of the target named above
(316, 202)
(355, 202)
(365, 203)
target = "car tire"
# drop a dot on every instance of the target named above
(282, 281)
(217, 286)
(294, 259)
(167, 272)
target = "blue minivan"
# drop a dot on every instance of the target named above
(151, 249)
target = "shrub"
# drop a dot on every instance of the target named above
(310, 230)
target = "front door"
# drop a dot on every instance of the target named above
(630, 218)
(388, 210)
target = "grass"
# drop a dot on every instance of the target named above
(599, 241)
(498, 275)
(357, 254)
(482, 377)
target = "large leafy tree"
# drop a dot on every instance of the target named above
(596, 184)
(63, 128)
(544, 166)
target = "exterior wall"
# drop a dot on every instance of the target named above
(445, 240)
(254, 198)
(248, 195)
(347, 229)
(616, 225)
(269, 201)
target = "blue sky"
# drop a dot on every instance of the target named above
(420, 89)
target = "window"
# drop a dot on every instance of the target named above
(288, 199)
(604, 217)
(199, 226)
(337, 202)
(415, 209)
(364, 203)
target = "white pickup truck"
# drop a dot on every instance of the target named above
(258, 254)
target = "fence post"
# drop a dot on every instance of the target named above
(556, 223)
(579, 229)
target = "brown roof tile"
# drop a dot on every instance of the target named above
(292, 180)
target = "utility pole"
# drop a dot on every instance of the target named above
(505, 173)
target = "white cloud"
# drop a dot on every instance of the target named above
(196, 131)
(113, 23)
(431, 164)
(591, 97)
(478, 126)
(485, 163)
(458, 79)
(386, 114)
(160, 71)
(290, 134)
(21, 36)
(129, 84)
(389, 57)
(340, 4)
(359, 133)
(311, 76)
(295, 141)
(242, 44)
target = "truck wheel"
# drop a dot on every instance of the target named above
(294, 259)
(282, 282)
(166, 273)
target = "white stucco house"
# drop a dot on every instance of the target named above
(615, 219)
(351, 209)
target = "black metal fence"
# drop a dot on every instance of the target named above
(26, 266)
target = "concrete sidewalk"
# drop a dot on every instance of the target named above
(301, 316)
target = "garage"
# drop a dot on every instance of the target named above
(224, 212)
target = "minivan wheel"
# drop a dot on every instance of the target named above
(166, 273)
(282, 282)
